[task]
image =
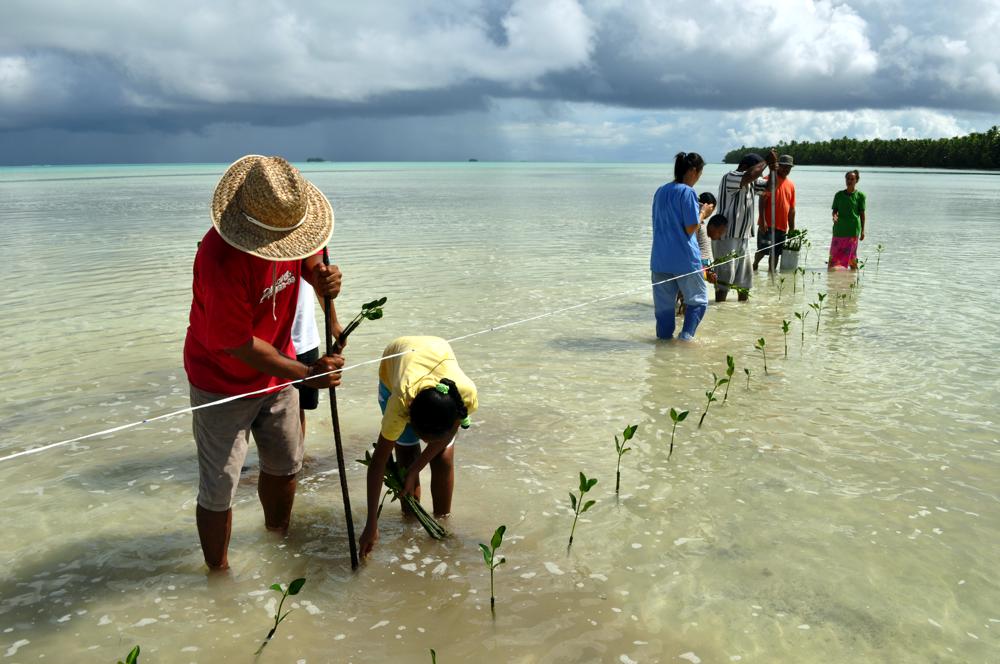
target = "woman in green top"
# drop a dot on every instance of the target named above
(848, 223)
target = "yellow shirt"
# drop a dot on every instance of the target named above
(428, 361)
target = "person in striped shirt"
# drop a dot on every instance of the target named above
(737, 200)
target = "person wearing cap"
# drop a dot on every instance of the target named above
(737, 201)
(268, 225)
(424, 395)
(774, 232)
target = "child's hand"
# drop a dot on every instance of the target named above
(410, 483)
(369, 536)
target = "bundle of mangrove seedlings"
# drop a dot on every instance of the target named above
(393, 479)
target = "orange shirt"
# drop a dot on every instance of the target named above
(783, 202)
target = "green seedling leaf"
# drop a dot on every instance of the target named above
(277, 586)
(132, 657)
(572, 501)
(629, 431)
(587, 506)
(590, 484)
(498, 537)
(487, 556)
(296, 586)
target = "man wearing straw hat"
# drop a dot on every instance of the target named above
(268, 225)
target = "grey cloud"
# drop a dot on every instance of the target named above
(186, 66)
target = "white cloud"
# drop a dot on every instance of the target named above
(290, 50)
(773, 125)
(15, 80)
(556, 77)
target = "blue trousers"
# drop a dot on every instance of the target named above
(695, 290)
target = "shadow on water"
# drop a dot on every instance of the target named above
(599, 344)
(178, 467)
(65, 579)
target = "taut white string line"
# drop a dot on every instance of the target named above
(495, 328)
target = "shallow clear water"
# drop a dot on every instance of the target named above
(844, 508)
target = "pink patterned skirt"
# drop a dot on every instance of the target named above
(844, 252)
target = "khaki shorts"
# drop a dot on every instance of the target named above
(222, 434)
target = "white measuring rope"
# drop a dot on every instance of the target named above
(496, 328)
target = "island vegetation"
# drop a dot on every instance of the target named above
(974, 151)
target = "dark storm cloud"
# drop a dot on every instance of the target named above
(126, 67)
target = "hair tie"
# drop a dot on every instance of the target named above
(467, 422)
(442, 388)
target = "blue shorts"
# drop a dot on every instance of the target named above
(408, 437)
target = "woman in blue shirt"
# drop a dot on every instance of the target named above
(675, 260)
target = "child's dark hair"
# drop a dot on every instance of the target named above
(707, 197)
(684, 161)
(435, 410)
(857, 175)
(717, 220)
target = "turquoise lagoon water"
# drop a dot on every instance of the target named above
(843, 508)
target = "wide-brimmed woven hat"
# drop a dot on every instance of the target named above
(263, 206)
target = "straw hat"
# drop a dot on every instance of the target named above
(264, 207)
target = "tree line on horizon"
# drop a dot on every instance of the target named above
(974, 151)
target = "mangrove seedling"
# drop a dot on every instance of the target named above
(732, 255)
(578, 506)
(781, 284)
(760, 346)
(491, 559)
(815, 307)
(132, 657)
(293, 589)
(818, 308)
(621, 449)
(677, 418)
(746, 370)
(802, 317)
(434, 656)
(394, 479)
(878, 255)
(369, 311)
(739, 289)
(710, 395)
(785, 325)
(730, 370)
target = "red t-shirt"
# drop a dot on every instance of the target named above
(237, 296)
(783, 202)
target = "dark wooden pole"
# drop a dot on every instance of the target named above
(336, 431)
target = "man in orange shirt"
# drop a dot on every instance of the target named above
(768, 232)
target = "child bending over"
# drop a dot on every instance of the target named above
(424, 396)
